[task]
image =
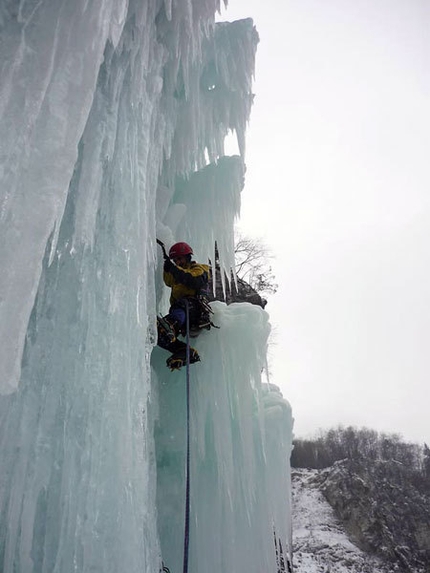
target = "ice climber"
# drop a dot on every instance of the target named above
(189, 282)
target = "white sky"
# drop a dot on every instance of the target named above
(338, 174)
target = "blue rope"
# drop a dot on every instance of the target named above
(187, 470)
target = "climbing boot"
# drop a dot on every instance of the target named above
(179, 359)
(167, 332)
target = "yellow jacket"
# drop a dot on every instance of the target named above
(185, 281)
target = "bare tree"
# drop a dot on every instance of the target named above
(252, 264)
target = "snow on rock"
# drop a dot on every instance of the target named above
(320, 544)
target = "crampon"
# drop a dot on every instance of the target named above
(179, 359)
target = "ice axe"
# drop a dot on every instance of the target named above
(165, 255)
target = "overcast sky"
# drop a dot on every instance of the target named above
(338, 179)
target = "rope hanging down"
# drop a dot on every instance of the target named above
(187, 467)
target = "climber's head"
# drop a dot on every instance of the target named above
(180, 253)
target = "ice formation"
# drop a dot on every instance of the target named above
(112, 122)
(240, 450)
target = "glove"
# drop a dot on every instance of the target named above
(169, 266)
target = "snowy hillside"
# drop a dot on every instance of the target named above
(379, 488)
(320, 543)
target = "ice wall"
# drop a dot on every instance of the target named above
(51, 55)
(112, 119)
(241, 434)
(151, 74)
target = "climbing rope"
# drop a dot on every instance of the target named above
(187, 467)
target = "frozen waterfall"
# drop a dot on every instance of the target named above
(113, 117)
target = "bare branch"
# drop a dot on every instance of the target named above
(252, 264)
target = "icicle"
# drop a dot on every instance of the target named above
(212, 200)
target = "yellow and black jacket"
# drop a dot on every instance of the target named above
(185, 281)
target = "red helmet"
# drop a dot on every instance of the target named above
(179, 250)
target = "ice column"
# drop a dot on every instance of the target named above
(241, 433)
